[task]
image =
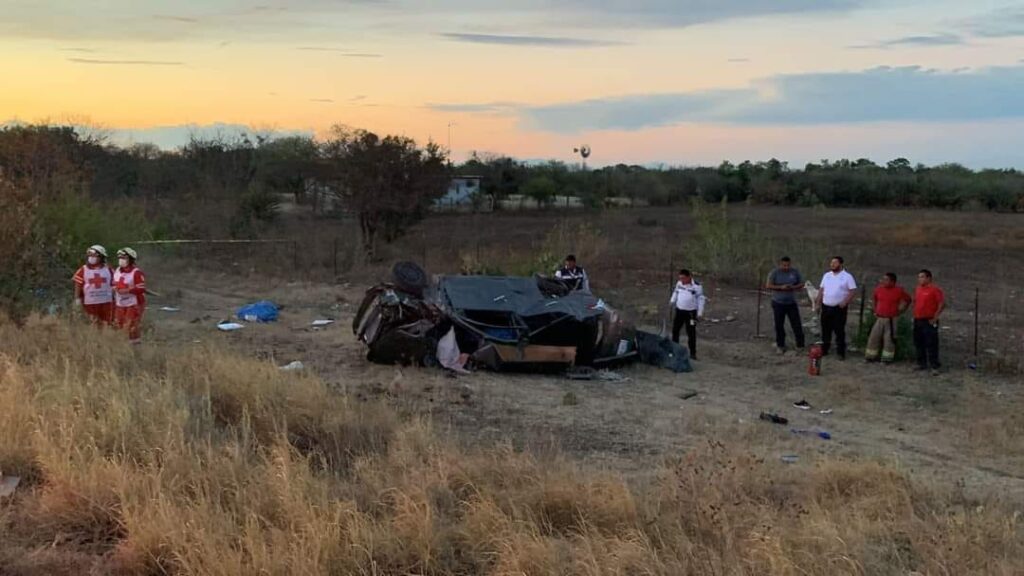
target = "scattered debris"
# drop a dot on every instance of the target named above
(819, 433)
(262, 311)
(170, 309)
(687, 394)
(773, 418)
(730, 318)
(570, 399)
(790, 458)
(321, 323)
(825, 412)
(229, 326)
(293, 366)
(8, 484)
(581, 373)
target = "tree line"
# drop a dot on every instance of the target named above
(839, 183)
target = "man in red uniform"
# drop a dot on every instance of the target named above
(129, 294)
(94, 286)
(929, 302)
(891, 301)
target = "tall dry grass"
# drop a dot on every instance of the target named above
(196, 461)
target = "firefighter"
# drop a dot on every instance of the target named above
(129, 294)
(94, 286)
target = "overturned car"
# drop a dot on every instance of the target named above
(501, 323)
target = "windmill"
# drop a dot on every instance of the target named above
(584, 152)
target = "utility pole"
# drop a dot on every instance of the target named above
(450, 124)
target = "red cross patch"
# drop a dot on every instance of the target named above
(97, 281)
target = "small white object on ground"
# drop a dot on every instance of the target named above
(319, 323)
(229, 326)
(8, 484)
(170, 309)
(292, 366)
(825, 412)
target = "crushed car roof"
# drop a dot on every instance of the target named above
(518, 296)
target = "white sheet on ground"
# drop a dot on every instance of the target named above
(448, 353)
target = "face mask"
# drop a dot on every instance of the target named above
(93, 260)
(122, 262)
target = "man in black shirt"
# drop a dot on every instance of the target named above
(575, 277)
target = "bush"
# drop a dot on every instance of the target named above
(259, 206)
(21, 258)
(72, 222)
(726, 248)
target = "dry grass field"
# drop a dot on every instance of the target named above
(195, 454)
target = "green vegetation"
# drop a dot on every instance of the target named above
(831, 183)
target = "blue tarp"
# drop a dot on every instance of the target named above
(262, 311)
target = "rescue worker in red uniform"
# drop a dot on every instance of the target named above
(129, 294)
(94, 286)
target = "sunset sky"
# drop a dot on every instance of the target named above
(679, 82)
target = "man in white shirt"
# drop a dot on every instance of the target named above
(837, 289)
(688, 299)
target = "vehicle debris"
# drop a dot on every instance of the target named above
(502, 323)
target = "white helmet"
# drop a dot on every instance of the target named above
(97, 249)
(127, 252)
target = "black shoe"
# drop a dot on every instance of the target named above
(802, 404)
(774, 418)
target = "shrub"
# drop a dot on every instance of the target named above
(21, 257)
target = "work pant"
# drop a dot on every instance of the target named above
(926, 342)
(130, 318)
(792, 311)
(882, 340)
(102, 314)
(833, 321)
(689, 319)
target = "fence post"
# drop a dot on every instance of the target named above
(334, 257)
(757, 329)
(976, 307)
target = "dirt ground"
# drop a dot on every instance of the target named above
(964, 429)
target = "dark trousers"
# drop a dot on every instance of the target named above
(791, 311)
(833, 321)
(926, 342)
(686, 318)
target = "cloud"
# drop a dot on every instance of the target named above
(357, 98)
(914, 41)
(325, 20)
(1002, 23)
(178, 19)
(661, 14)
(739, 60)
(911, 94)
(323, 100)
(126, 62)
(79, 50)
(323, 49)
(545, 41)
(363, 55)
(484, 108)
